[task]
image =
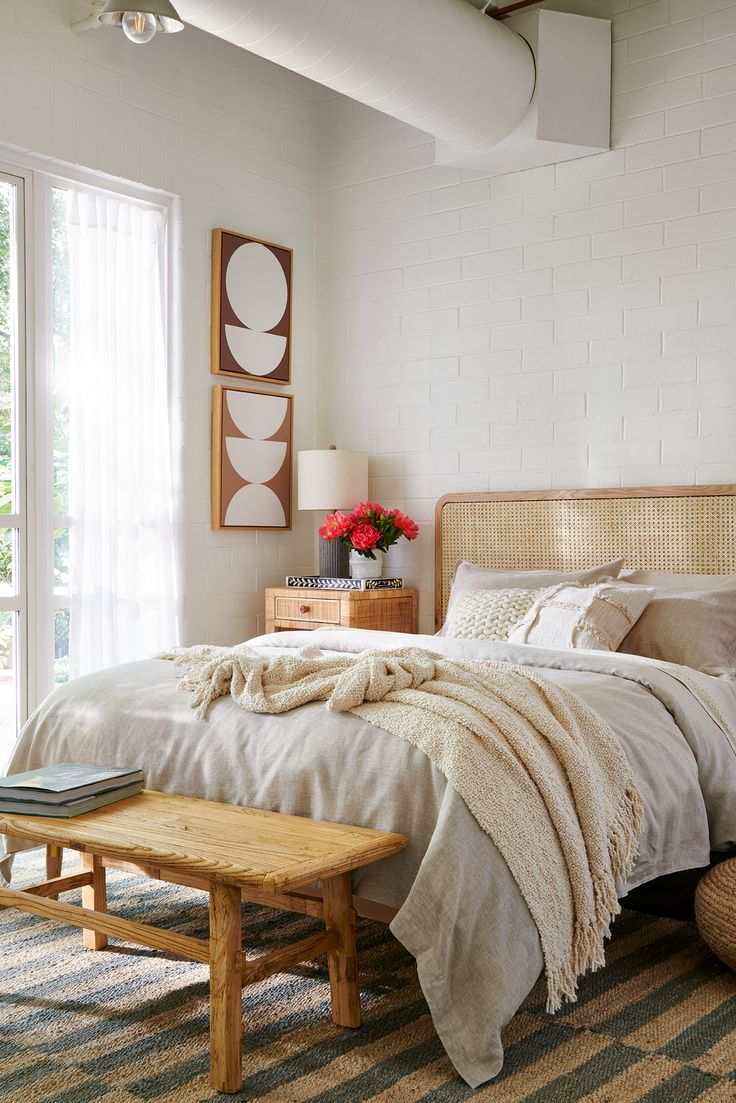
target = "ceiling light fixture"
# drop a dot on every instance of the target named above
(141, 23)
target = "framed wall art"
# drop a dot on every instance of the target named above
(251, 459)
(251, 308)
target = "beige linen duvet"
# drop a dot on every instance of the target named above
(459, 911)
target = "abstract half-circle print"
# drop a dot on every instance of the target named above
(255, 460)
(254, 324)
(256, 286)
(255, 506)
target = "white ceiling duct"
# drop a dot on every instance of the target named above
(440, 65)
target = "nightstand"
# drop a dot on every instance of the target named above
(386, 610)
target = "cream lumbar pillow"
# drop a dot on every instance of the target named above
(574, 616)
(488, 614)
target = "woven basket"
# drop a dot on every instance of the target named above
(715, 910)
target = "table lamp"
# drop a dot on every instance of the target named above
(330, 479)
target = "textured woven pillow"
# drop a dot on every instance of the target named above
(695, 628)
(488, 614)
(596, 617)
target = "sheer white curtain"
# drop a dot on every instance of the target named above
(123, 604)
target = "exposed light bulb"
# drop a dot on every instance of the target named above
(138, 26)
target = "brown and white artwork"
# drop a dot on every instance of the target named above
(251, 460)
(251, 308)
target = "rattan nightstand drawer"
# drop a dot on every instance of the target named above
(324, 609)
(386, 610)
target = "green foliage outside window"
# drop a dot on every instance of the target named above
(6, 502)
(6, 488)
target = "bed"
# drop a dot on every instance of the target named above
(480, 955)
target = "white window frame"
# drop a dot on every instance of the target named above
(34, 643)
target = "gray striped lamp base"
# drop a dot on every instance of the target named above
(334, 559)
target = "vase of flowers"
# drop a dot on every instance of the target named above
(368, 530)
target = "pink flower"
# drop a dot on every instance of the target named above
(409, 528)
(369, 526)
(365, 536)
(365, 508)
(335, 525)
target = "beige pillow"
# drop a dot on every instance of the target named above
(669, 580)
(695, 628)
(488, 614)
(469, 576)
(596, 617)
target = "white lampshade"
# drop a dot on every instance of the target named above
(330, 478)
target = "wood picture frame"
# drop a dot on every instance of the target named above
(251, 459)
(251, 308)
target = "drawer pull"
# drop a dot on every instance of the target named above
(303, 608)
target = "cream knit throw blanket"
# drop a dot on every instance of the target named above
(542, 774)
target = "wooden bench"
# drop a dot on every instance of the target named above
(235, 853)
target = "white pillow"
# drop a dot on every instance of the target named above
(669, 580)
(488, 614)
(596, 617)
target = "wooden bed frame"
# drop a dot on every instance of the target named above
(685, 529)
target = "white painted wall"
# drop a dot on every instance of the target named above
(562, 327)
(233, 136)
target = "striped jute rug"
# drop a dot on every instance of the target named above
(126, 1025)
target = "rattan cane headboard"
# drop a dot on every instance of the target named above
(690, 529)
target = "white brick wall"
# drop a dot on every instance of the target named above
(568, 325)
(565, 326)
(233, 137)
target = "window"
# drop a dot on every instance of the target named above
(13, 499)
(86, 526)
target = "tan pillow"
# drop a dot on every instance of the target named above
(488, 614)
(695, 628)
(596, 617)
(469, 576)
(669, 580)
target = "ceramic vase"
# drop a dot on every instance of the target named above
(362, 567)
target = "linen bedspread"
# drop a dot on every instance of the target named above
(542, 773)
(479, 955)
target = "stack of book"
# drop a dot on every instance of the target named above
(67, 789)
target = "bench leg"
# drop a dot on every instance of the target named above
(54, 860)
(226, 1022)
(94, 896)
(343, 960)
